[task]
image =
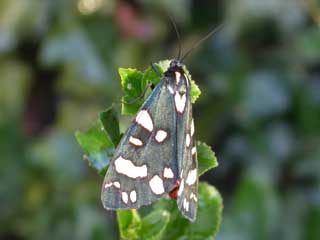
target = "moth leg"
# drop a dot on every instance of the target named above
(149, 85)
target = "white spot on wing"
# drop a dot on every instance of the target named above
(156, 185)
(170, 89)
(167, 173)
(133, 196)
(127, 168)
(143, 118)
(161, 136)
(178, 75)
(193, 150)
(124, 196)
(181, 188)
(180, 102)
(194, 197)
(192, 127)
(116, 184)
(107, 185)
(188, 140)
(192, 177)
(135, 141)
(186, 204)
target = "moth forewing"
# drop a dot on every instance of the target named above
(143, 169)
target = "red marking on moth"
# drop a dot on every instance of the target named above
(173, 193)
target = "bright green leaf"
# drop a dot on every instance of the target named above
(150, 75)
(164, 65)
(133, 85)
(206, 158)
(195, 91)
(129, 224)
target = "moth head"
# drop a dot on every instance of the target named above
(176, 66)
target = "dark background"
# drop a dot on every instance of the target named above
(259, 109)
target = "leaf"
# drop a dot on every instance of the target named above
(154, 225)
(99, 141)
(110, 122)
(177, 224)
(150, 75)
(209, 214)
(133, 85)
(129, 224)
(208, 219)
(151, 227)
(195, 91)
(206, 158)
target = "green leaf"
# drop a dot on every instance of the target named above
(110, 122)
(150, 75)
(154, 225)
(209, 214)
(129, 224)
(133, 85)
(150, 227)
(100, 140)
(208, 219)
(195, 91)
(164, 65)
(206, 158)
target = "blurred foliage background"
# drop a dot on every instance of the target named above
(259, 108)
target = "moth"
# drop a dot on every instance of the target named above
(157, 154)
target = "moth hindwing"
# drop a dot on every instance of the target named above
(157, 154)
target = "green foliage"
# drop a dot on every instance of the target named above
(166, 222)
(259, 111)
(152, 226)
(133, 85)
(99, 142)
(206, 158)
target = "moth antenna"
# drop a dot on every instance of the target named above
(177, 33)
(196, 44)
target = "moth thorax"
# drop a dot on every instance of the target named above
(182, 89)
